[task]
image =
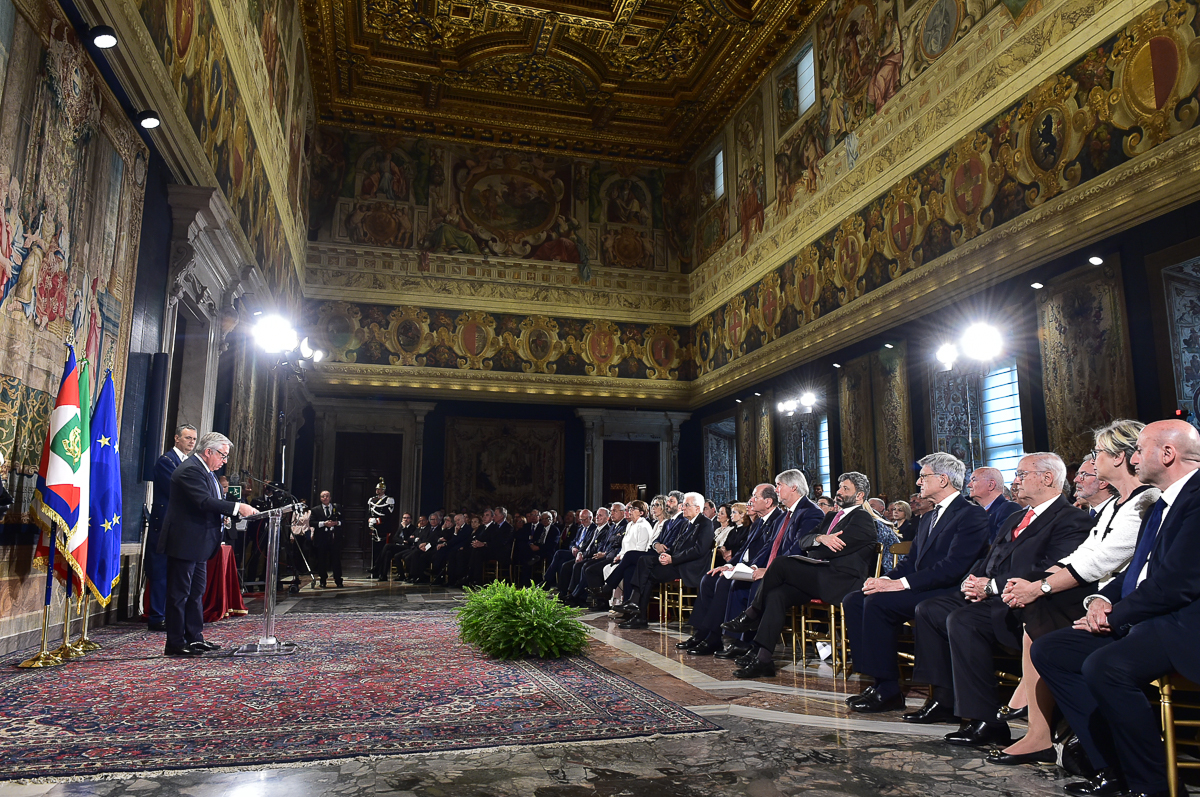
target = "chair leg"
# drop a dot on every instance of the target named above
(1168, 723)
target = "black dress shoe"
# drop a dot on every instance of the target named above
(931, 712)
(687, 643)
(740, 625)
(1007, 713)
(187, 651)
(158, 628)
(979, 733)
(852, 699)
(872, 703)
(756, 669)
(1002, 758)
(1105, 783)
(705, 648)
(732, 652)
(628, 608)
(205, 646)
(634, 622)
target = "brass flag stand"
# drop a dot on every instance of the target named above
(45, 658)
(83, 643)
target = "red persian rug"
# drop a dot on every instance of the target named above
(363, 684)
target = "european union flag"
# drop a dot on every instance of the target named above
(104, 528)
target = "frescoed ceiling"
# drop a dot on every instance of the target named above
(647, 80)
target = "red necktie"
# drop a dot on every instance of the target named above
(787, 515)
(1025, 521)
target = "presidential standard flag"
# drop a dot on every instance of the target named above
(60, 498)
(104, 529)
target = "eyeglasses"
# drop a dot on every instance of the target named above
(1021, 474)
(923, 476)
(224, 455)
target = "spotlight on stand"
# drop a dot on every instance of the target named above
(274, 334)
(982, 342)
(103, 37)
(307, 352)
(946, 355)
(808, 401)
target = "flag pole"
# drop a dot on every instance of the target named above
(66, 650)
(83, 643)
(45, 658)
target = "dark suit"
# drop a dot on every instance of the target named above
(582, 536)
(1098, 680)
(415, 560)
(790, 582)
(939, 560)
(709, 611)
(191, 534)
(691, 556)
(327, 541)
(1000, 511)
(954, 637)
(156, 563)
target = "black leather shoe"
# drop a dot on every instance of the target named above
(978, 733)
(852, 699)
(705, 648)
(1007, 713)
(931, 712)
(205, 646)
(756, 669)
(1105, 783)
(872, 703)
(634, 622)
(628, 609)
(1002, 758)
(740, 625)
(687, 643)
(158, 628)
(732, 652)
(188, 651)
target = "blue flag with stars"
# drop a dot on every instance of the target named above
(104, 527)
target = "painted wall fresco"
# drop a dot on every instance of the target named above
(751, 177)
(435, 197)
(369, 334)
(1071, 128)
(860, 55)
(1087, 373)
(72, 172)
(197, 60)
(1181, 284)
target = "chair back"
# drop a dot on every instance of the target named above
(878, 559)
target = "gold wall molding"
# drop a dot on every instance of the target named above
(390, 276)
(992, 68)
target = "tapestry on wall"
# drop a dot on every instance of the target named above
(1181, 284)
(957, 410)
(1086, 366)
(720, 461)
(509, 463)
(894, 476)
(73, 173)
(857, 418)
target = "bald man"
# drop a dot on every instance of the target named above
(986, 487)
(1142, 625)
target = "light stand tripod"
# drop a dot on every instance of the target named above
(267, 644)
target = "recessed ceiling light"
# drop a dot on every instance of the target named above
(1037, 286)
(148, 120)
(836, 365)
(103, 37)
(737, 401)
(888, 346)
(1096, 260)
(758, 394)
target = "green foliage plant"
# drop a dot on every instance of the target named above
(506, 622)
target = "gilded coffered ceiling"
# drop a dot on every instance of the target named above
(646, 80)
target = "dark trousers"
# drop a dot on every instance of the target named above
(788, 583)
(872, 626)
(382, 567)
(647, 574)
(709, 611)
(741, 595)
(593, 573)
(185, 601)
(954, 646)
(329, 558)
(570, 578)
(156, 577)
(560, 558)
(416, 562)
(626, 568)
(376, 558)
(1097, 681)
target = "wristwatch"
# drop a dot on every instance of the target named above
(987, 589)
(1046, 588)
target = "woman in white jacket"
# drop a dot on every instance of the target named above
(1055, 600)
(638, 536)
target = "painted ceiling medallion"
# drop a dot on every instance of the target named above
(736, 324)
(766, 313)
(972, 179)
(1047, 133)
(803, 290)
(538, 344)
(631, 79)
(475, 340)
(662, 353)
(407, 336)
(338, 330)
(708, 338)
(602, 349)
(905, 223)
(851, 253)
(1156, 68)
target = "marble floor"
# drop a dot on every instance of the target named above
(787, 735)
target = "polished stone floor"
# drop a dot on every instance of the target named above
(781, 736)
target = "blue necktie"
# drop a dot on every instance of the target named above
(1144, 547)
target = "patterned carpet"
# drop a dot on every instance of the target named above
(363, 684)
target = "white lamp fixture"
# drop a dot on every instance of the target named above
(1096, 260)
(274, 334)
(982, 342)
(1037, 286)
(148, 120)
(103, 37)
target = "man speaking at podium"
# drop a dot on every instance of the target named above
(191, 534)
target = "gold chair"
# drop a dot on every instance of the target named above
(496, 563)
(674, 595)
(1169, 703)
(826, 622)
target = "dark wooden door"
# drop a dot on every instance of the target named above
(362, 459)
(628, 463)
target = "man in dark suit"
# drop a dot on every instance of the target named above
(326, 520)
(956, 633)
(987, 490)
(1141, 626)
(417, 559)
(191, 534)
(156, 563)
(709, 611)
(570, 574)
(950, 539)
(687, 558)
(396, 542)
(580, 535)
(844, 542)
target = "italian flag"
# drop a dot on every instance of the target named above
(63, 483)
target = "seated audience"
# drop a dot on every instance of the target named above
(987, 489)
(901, 515)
